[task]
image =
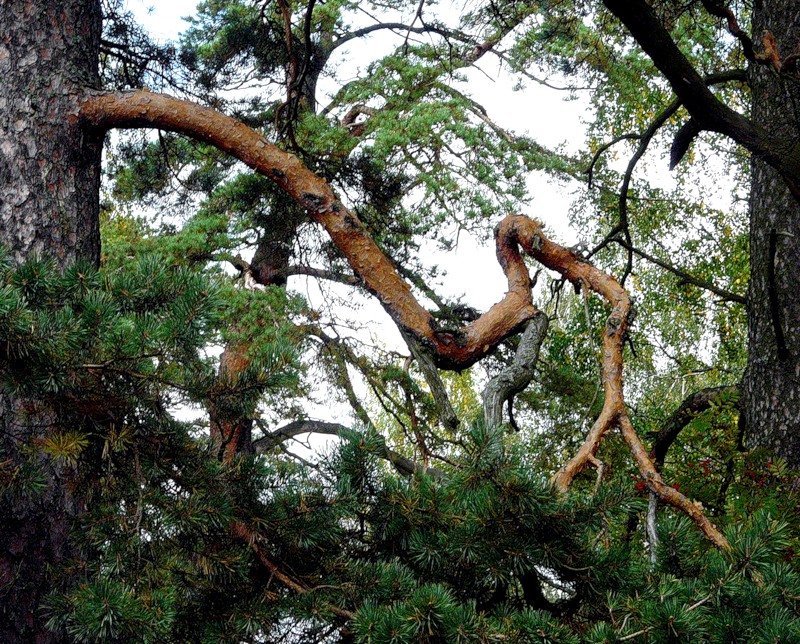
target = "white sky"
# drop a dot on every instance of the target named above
(542, 113)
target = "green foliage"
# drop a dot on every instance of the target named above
(488, 551)
(475, 546)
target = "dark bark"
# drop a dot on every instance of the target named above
(689, 409)
(49, 171)
(49, 184)
(771, 387)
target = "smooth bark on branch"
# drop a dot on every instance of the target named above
(451, 349)
(518, 375)
(614, 413)
(666, 493)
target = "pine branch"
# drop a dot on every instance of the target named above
(459, 349)
(403, 465)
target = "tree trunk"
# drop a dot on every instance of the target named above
(771, 391)
(231, 425)
(49, 196)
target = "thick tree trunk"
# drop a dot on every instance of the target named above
(771, 391)
(49, 172)
(49, 186)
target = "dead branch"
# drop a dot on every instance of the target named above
(516, 376)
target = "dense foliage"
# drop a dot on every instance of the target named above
(198, 312)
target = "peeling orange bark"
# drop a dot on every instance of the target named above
(668, 494)
(449, 349)
(614, 413)
(452, 350)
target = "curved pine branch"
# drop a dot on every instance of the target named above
(451, 349)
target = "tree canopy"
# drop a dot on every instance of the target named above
(586, 460)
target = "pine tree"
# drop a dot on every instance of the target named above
(430, 519)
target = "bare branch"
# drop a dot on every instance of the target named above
(447, 414)
(644, 141)
(721, 11)
(602, 149)
(666, 493)
(516, 376)
(403, 465)
(393, 26)
(245, 534)
(708, 111)
(727, 296)
(652, 527)
(323, 274)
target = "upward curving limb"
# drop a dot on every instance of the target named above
(450, 349)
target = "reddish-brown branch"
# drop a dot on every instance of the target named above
(453, 349)
(228, 431)
(666, 493)
(614, 413)
(450, 349)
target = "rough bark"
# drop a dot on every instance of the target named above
(49, 183)
(771, 386)
(49, 167)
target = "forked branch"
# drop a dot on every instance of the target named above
(451, 349)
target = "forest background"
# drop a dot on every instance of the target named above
(478, 488)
